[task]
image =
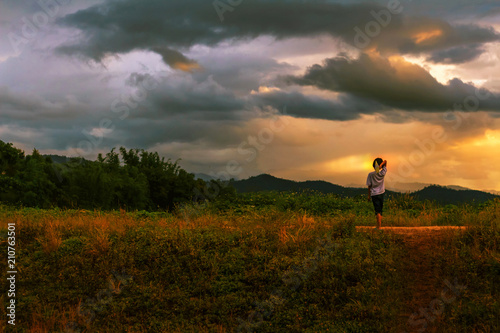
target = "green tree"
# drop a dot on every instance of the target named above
(11, 159)
(38, 179)
(88, 185)
(169, 184)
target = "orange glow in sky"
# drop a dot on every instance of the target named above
(425, 36)
(187, 66)
(491, 139)
(350, 164)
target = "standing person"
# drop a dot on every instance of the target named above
(376, 188)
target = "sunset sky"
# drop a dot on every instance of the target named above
(303, 90)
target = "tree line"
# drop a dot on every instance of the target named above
(132, 179)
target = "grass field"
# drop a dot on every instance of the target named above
(263, 262)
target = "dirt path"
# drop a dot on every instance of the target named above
(422, 268)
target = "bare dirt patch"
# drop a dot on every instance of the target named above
(422, 267)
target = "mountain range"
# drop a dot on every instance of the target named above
(441, 194)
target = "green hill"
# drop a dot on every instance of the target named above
(440, 194)
(446, 195)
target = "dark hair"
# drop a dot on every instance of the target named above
(377, 160)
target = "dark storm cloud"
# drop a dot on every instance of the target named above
(175, 108)
(122, 26)
(53, 120)
(457, 55)
(31, 107)
(206, 101)
(462, 44)
(303, 106)
(182, 109)
(175, 59)
(181, 94)
(241, 72)
(439, 39)
(178, 129)
(397, 84)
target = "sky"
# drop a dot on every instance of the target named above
(303, 90)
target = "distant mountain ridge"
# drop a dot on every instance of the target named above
(441, 194)
(266, 182)
(414, 187)
(447, 195)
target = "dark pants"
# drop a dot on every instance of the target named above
(378, 203)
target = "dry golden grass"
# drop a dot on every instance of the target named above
(99, 243)
(44, 319)
(52, 239)
(283, 236)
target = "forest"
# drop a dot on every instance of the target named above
(134, 180)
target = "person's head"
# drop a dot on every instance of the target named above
(378, 160)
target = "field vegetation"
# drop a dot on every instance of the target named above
(260, 262)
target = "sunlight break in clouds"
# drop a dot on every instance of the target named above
(350, 163)
(422, 37)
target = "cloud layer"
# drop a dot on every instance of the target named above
(395, 83)
(171, 27)
(205, 83)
